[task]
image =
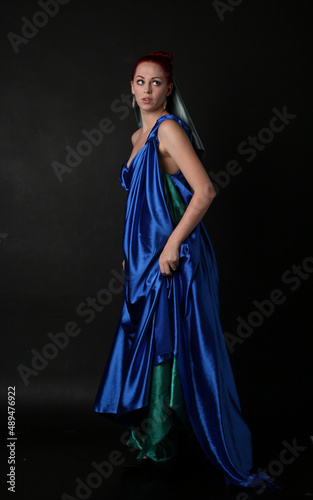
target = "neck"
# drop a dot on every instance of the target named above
(149, 118)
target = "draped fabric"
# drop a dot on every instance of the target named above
(163, 436)
(175, 317)
(157, 434)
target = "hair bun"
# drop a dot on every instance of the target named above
(166, 55)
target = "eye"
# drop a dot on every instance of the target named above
(140, 81)
(156, 83)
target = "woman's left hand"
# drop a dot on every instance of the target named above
(169, 259)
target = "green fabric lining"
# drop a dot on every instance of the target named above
(160, 431)
(156, 437)
(173, 199)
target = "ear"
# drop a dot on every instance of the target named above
(132, 86)
(169, 88)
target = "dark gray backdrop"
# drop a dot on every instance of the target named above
(237, 65)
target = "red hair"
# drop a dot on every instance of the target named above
(163, 59)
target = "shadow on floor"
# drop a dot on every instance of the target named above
(64, 465)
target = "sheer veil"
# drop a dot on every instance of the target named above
(176, 106)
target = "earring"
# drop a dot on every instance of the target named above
(165, 104)
(134, 102)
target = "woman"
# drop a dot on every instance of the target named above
(169, 365)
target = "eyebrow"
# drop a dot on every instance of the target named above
(159, 77)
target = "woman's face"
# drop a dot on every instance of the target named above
(150, 86)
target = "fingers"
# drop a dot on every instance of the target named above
(169, 259)
(168, 269)
(174, 265)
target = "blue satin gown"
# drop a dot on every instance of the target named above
(173, 320)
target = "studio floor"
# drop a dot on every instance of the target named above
(64, 463)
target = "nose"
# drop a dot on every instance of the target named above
(147, 88)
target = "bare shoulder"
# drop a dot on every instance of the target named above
(172, 135)
(170, 127)
(170, 131)
(135, 136)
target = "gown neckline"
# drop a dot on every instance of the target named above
(162, 116)
(134, 157)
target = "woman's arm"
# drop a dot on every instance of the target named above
(175, 143)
